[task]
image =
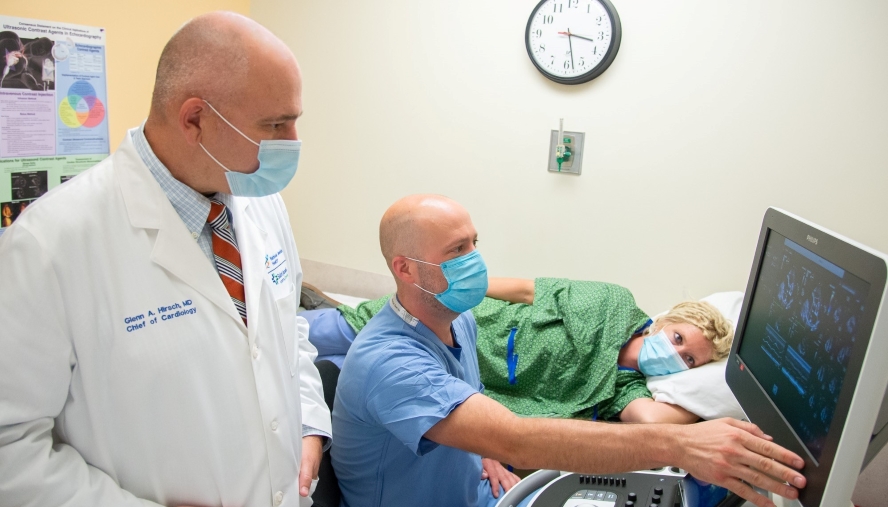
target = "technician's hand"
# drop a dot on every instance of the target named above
(312, 450)
(499, 476)
(735, 454)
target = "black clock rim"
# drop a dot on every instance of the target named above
(605, 62)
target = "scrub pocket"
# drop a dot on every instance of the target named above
(286, 307)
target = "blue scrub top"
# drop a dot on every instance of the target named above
(398, 380)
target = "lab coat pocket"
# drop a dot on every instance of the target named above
(287, 314)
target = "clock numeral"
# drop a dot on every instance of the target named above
(539, 33)
(542, 47)
(599, 19)
(600, 35)
(582, 62)
(558, 7)
(566, 64)
(571, 4)
(595, 50)
(553, 60)
(547, 20)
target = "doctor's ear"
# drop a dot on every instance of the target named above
(404, 269)
(191, 115)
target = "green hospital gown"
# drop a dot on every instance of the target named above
(567, 344)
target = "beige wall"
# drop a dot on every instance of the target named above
(136, 33)
(711, 112)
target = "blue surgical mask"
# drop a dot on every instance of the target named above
(466, 281)
(278, 160)
(659, 357)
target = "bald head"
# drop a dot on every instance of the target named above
(213, 57)
(416, 223)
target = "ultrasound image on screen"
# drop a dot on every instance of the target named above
(800, 334)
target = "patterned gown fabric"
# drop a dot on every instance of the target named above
(567, 343)
(228, 260)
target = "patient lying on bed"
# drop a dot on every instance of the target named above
(561, 348)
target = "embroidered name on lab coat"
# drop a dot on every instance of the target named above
(164, 313)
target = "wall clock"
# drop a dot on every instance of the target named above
(573, 41)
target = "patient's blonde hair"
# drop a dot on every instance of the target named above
(707, 318)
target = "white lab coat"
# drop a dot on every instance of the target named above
(125, 371)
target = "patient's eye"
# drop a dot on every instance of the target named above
(678, 339)
(690, 360)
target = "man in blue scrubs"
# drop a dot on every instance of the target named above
(411, 420)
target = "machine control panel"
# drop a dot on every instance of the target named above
(650, 488)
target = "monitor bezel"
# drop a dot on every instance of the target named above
(749, 393)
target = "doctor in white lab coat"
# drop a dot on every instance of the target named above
(127, 375)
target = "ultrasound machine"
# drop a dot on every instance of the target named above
(809, 366)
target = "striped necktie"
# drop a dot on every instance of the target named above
(228, 260)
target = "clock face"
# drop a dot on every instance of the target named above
(573, 41)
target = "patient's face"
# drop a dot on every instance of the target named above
(690, 343)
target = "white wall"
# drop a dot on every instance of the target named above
(711, 112)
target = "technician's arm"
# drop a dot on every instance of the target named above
(722, 452)
(646, 410)
(513, 290)
(36, 362)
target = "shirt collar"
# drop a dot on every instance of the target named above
(412, 321)
(400, 311)
(192, 206)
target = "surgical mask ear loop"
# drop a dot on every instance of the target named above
(424, 262)
(229, 124)
(424, 290)
(212, 157)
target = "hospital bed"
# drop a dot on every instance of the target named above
(701, 390)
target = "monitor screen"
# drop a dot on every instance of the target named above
(801, 329)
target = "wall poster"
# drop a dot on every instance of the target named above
(53, 108)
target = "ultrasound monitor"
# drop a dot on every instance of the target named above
(809, 363)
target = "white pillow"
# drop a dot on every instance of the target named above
(703, 390)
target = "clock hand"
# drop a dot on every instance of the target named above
(570, 45)
(569, 34)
